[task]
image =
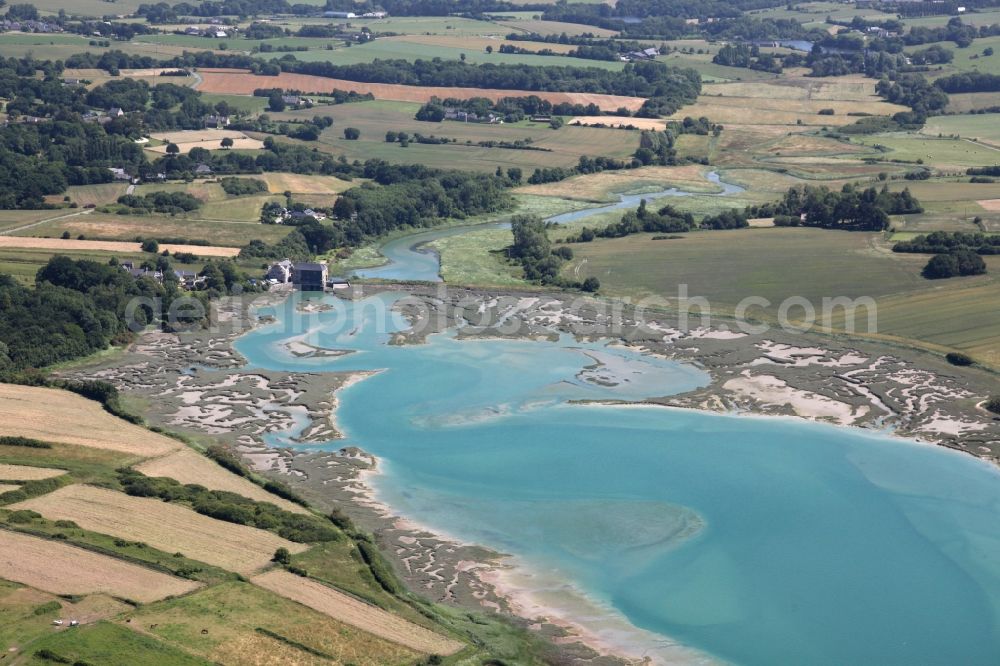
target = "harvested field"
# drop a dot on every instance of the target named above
(475, 43)
(63, 569)
(555, 28)
(239, 82)
(111, 246)
(169, 527)
(616, 121)
(7, 487)
(227, 232)
(298, 183)
(26, 473)
(355, 612)
(189, 466)
(28, 411)
(209, 139)
(992, 205)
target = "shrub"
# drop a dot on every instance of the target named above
(352, 133)
(242, 186)
(48, 607)
(282, 556)
(378, 567)
(993, 404)
(958, 358)
(46, 654)
(23, 441)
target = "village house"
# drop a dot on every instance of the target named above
(216, 121)
(115, 112)
(468, 117)
(280, 272)
(188, 279)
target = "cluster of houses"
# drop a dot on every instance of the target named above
(297, 215)
(350, 15)
(468, 117)
(304, 275)
(216, 32)
(296, 101)
(645, 54)
(187, 279)
(8, 25)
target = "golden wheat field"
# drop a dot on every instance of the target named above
(27, 411)
(63, 569)
(189, 466)
(169, 527)
(25, 473)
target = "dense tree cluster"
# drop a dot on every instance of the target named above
(238, 187)
(666, 88)
(850, 209)
(665, 220)
(160, 202)
(511, 109)
(75, 309)
(956, 263)
(969, 82)
(944, 242)
(748, 56)
(533, 250)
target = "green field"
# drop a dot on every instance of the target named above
(111, 645)
(375, 118)
(386, 49)
(61, 46)
(984, 127)
(776, 264)
(946, 154)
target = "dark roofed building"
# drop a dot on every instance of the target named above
(309, 276)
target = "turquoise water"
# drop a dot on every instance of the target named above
(409, 258)
(755, 540)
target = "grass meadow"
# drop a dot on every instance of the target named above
(563, 146)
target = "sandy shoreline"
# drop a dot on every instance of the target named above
(842, 383)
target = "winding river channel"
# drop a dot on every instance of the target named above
(409, 258)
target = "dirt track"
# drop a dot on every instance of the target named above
(239, 82)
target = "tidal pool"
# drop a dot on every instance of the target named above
(751, 540)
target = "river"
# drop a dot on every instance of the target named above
(409, 258)
(749, 540)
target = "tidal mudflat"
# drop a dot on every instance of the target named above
(745, 539)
